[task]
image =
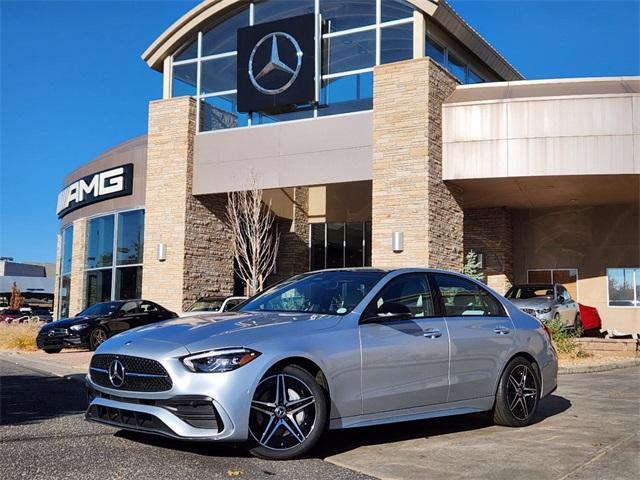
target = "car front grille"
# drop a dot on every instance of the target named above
(56, 332)
(141, 374)
(127, 418)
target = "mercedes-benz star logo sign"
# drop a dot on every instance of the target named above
(116, 373)
(275, 63)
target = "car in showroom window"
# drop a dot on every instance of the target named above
(327, 350)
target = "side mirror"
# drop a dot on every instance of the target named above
(385, 317)
(560, 299)
(389, 311)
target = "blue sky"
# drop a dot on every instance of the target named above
(73, 84)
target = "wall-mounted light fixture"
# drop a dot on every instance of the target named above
(397, 242)
(480, 260)
(162, 252)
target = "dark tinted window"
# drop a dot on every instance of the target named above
(407, 293)
(147, 307)
(461, 297)
(101, 308)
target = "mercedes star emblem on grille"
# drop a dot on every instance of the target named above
(275, 63)
(116, 373)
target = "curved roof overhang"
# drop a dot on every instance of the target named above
(201, 15)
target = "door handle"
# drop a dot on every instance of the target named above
(431, 333)
(501, 330)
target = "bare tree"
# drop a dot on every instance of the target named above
(16, 297)
(255, 241)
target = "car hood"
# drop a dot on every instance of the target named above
(67, 322)
(229, 329)
(537, 303)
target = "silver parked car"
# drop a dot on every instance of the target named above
(546, 302)
(212, 305)
(330, 349)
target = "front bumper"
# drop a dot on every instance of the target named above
(46, 341)
(225, 397)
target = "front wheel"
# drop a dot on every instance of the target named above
(288, 414)
(518, 394)
(97, 336)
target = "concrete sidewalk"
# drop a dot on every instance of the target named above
(68, 363)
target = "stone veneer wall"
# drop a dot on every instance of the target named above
(78, 260)
(208, 263)
(408, 192)
(489, 231)
(198, 257)
(293, 254)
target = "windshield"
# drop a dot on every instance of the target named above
(533, 291)
(101, 309)
(206, 305)
(336, 292)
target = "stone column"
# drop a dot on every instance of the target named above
(293, 255)
(198, 257)
(78, 260)
(408, 192)
(489, 231)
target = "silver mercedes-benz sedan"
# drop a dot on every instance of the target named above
(326, 350)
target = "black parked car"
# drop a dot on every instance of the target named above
(94, 325)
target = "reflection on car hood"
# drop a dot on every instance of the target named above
(537, 303)
(229, 329)
(67, 322)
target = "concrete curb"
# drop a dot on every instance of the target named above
(598, 368)
(74, 374)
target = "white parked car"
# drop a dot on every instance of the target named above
(212, 305)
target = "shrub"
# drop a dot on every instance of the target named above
(563, 339)
(19, 336)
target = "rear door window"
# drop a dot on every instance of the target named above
(461, 297)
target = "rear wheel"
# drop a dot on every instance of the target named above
(518, 394)
(577, 325)
(288, 414)
(97, 336)
(53, 350)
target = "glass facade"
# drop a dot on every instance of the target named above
(114, 257)
(66, 249)
(339, 244)
(357, 35)
(456, 66)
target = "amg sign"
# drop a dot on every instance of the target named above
(112, 183)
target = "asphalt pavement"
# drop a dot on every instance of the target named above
(588, 429)
(43, 435)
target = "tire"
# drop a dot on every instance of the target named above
(282, 428)
(97, 336)
(518, 396)
(556, 317)
(53, 350)
(577, 325)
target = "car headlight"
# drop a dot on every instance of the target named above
(544, 310)
(80, 326)
(217, 361)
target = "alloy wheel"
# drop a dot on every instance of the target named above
(98, 336)
(283, 412)
(522, 392)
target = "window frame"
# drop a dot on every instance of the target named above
(439, 302)
(636, 284)
(321, 37)
(114, 261)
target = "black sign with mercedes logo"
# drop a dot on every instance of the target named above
(276, 64)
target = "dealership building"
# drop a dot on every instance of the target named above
(362, 121)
